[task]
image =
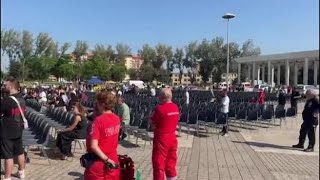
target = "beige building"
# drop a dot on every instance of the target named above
(133, 62)
(185, 80)
(232, 76)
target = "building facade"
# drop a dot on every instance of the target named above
(133, 62)
(292, 62)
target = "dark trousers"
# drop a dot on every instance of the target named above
(121, 132)
(307, 129)
(294, 105)
(224, 121)
(64, 142)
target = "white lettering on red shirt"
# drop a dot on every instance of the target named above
(112, 130)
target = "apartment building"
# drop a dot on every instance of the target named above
(133, 62)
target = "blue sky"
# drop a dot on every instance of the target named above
(276, 26)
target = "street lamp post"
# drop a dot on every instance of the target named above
(228, 16)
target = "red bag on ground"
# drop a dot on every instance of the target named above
(126, 167)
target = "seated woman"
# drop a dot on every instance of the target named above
(103, 139)
(77, 130)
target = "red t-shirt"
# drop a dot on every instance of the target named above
(165, 118)
(105, 128)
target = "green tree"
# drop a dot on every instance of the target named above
(14, 69)
(205, 55)
(42, 43)
(95, 67)
(61, 63)
(10, 44)
(179, 62)
(163, 76)
(148, 54)
(134, 74)
(107, 54)
(26, 51)
(164, 53)
(68, 71)
(64, 48)
(118, 72)
(80, 49)
(123, 51)
(41, 67)
(219, 58)
(147, 73)
(191, 61)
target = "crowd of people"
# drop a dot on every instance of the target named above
(102, 127)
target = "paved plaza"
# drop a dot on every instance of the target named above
(262, 153)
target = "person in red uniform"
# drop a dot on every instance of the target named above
(164, 121)
(261, 96)
(103, 139)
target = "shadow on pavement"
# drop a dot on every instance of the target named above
(127, 144)
(264, 145)
(78, 176)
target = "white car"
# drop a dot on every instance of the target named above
(264, 87)
(302, 89)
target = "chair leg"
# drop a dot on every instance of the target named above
(74, 147)
(43, 150)
(80, 145)
(137, 140)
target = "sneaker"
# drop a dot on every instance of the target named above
(225, 134)
(21, 174)
(300, 146)
(123, 136)
(309, 149)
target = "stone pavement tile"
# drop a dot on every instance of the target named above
(290, 166)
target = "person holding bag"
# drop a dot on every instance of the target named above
(101, 161)
(11, 126)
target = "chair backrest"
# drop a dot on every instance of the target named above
(184, 116)
(232, 112)
(291, 112)
(252, 115)
(266, 114)
(241, 114)
(144, 123)
(211, 116)
(280, 113)
(137, 120)
(202, 116)
(193, 117)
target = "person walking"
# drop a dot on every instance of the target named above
(164, 122)
(310, 116)
(224, 110)
(11, 127)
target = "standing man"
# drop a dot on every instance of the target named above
(224, 111)
(164, 121)
(310, 116)
(123, 111)
(295, 95)
(11, 127)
